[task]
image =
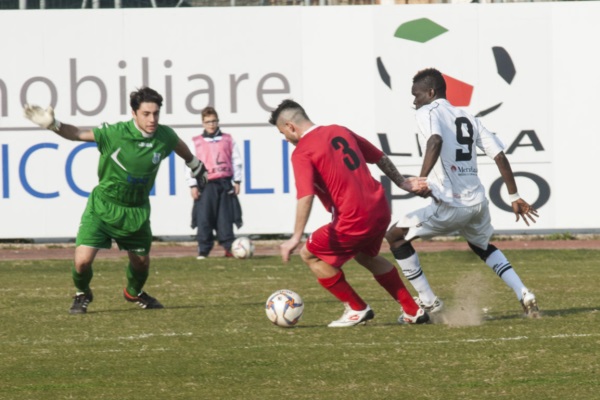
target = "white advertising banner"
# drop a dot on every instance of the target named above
(527, 69)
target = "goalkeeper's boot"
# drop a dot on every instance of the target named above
(435, 307)
(352, 317)
(529, 304)
(143, 300)
(421, 317)
(80, 302)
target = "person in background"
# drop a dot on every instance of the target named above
(216, 205)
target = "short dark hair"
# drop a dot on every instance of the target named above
(287, 104)
(144, 95)
(431, 78)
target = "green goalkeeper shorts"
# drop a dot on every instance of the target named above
(103, 221)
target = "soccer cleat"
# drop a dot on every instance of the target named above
(228, 254)
(143, 300)
(437, 306)
(80, 302)
(202, 256)
(352, 317)
(420, 318)
(529, 304)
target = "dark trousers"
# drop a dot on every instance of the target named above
(213, 212)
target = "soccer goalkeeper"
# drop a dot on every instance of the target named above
(119, 206)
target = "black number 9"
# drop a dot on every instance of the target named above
(461, 139)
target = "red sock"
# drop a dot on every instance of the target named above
(391, 282)
(341, 289)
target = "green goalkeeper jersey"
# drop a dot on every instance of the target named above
(129, 161)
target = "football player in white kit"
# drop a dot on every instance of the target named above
(459, 204)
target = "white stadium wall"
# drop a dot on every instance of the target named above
(347, 65)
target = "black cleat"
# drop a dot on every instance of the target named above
(80, 302)
(143, 300)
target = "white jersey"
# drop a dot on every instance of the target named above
(454, 179)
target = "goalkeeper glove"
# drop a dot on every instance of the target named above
(198, 171)
(43, 118)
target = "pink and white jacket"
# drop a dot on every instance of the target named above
(220, 154)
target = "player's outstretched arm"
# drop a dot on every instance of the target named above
(45, 119)
(520, 207)
(389, 169)
(197, 168)
(523, 210)
(414, 185)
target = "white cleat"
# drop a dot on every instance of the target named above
(352, 317)
(436, 307)
(529, 304)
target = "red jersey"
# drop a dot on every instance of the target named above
(331, 162)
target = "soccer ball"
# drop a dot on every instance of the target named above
(242, 247)
(284, 308)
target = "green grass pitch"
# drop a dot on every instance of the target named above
(213, 340)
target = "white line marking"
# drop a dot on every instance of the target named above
(147, 335)
(404, 343)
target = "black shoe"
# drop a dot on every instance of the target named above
(80, 303)
(143, 300)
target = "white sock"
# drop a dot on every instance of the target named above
(501, 266)
(411, 268)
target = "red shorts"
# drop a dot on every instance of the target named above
(335, 248)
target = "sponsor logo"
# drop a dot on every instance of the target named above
(464, 170)
(424, 33)
(137, 180)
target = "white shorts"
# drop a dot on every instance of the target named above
(473, 223)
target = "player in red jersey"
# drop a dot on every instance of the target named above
(331, 163)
